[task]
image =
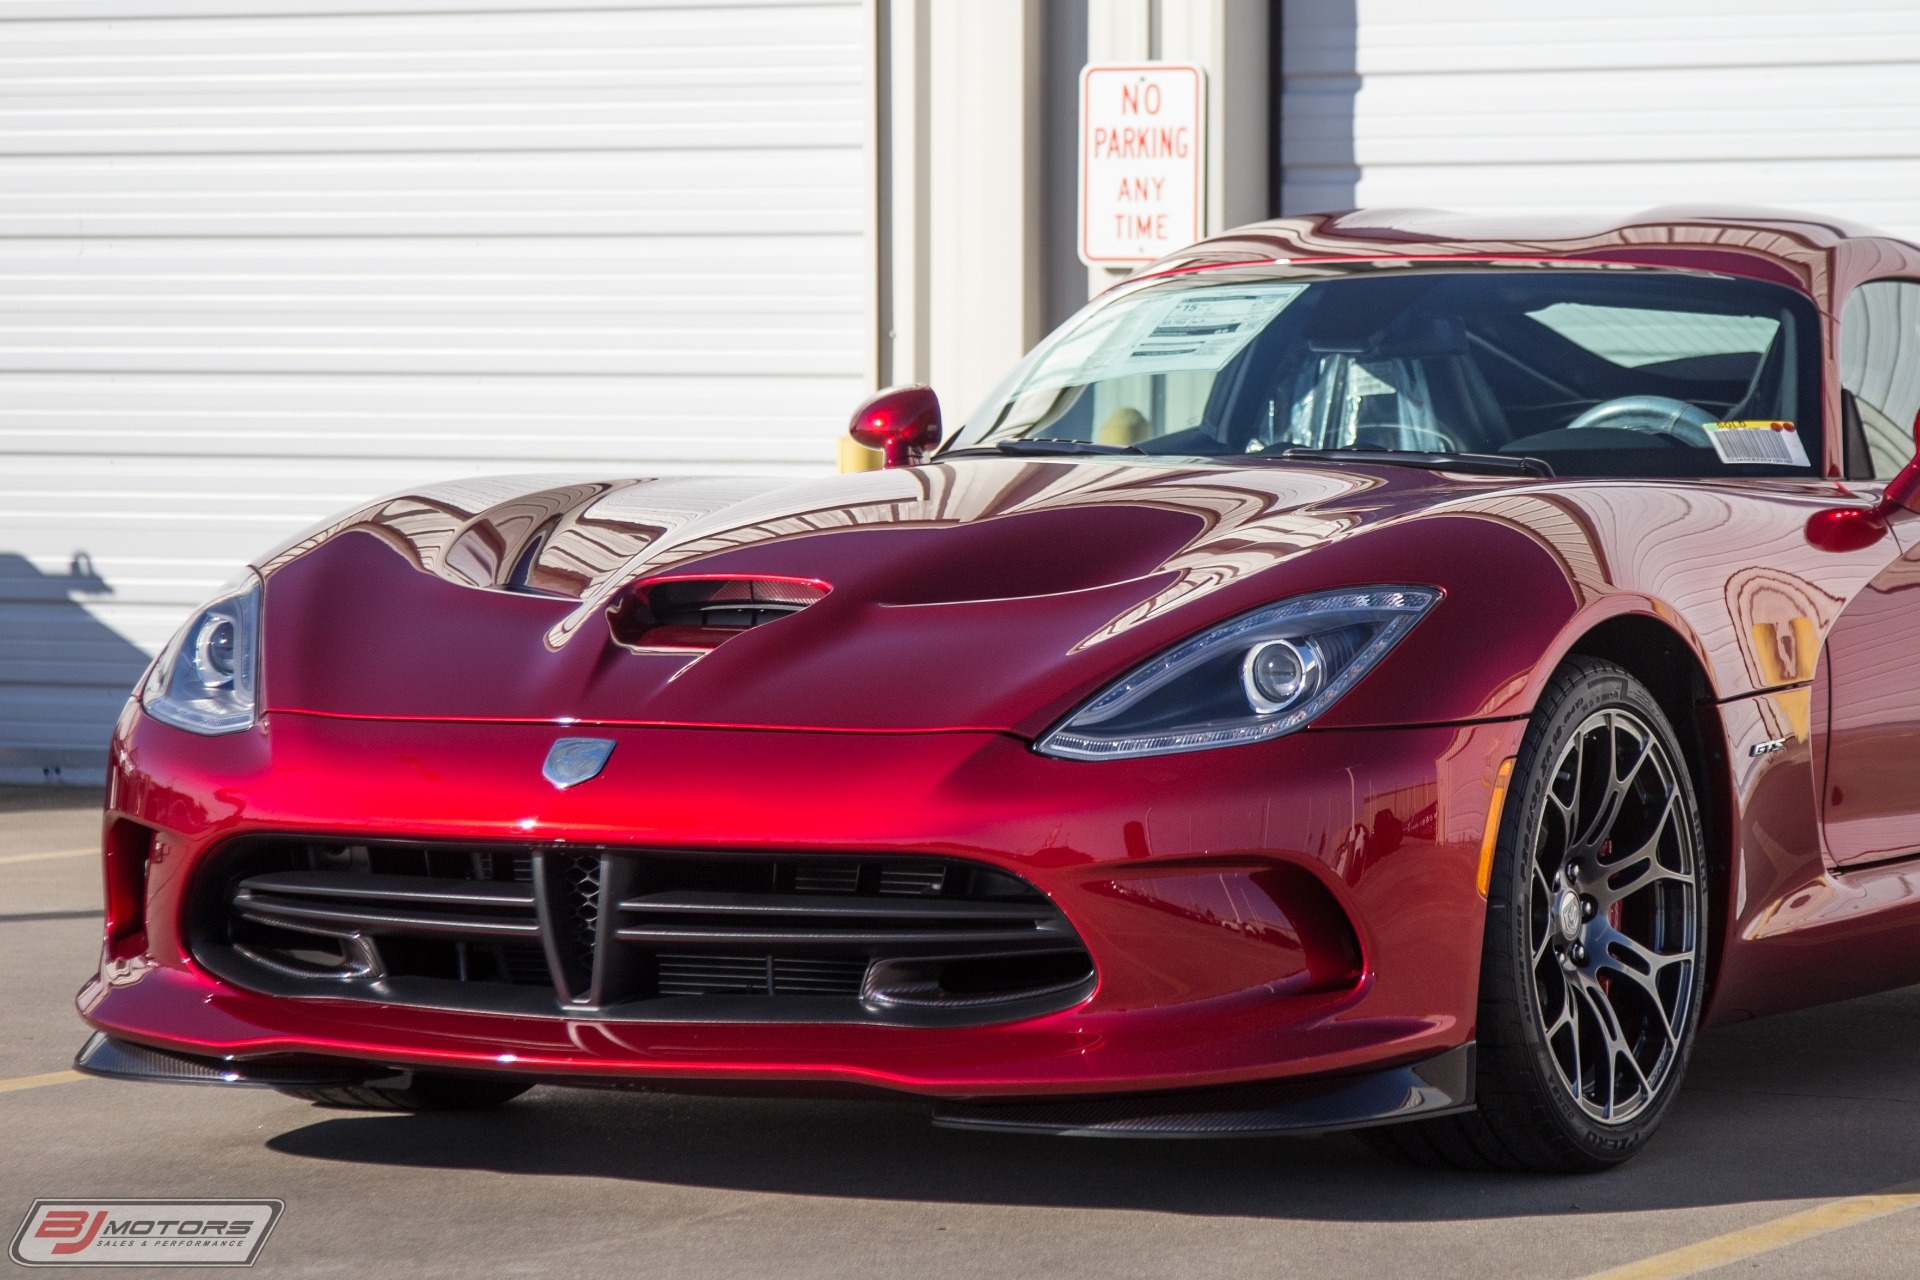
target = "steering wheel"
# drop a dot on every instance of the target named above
(1650, 415)
(1404, 437)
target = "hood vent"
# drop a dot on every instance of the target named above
(703, 613)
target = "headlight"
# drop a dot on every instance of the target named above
(1251, 678)
(205, 679)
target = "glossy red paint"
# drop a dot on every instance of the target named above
(1301, 906)
(1799, 929)
(1903, 491)
(946, 595)
(1846, 528)
(1873, 756)
(1647, 256)
(1851, 528)
(902, 422)
(1362, 821)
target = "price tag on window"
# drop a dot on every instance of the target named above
(1774, 444)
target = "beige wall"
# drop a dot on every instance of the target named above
(960, 243)
(1229, 39)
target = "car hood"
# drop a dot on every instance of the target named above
(971, 594)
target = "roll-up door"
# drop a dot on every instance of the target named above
(260, 259)
(1495, 105)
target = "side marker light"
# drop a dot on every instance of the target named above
(1484, 880)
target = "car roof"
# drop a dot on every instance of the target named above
(1821, 256)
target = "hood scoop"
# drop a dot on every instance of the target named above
(697, 614)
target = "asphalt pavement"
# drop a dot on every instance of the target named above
(1784, 1126)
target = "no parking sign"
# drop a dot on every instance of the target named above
(1142, 160)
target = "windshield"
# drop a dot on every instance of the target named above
(1616, 372)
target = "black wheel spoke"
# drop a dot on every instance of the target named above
(1621, 956)
(1566, 1027)
(1543, 930)
(1599, 1014)
(1618, 784)
(1541, 948)
(1625, 876)
(1614, 1045)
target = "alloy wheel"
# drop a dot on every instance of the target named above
(1614, 916)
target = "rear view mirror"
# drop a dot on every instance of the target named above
(1431, 338)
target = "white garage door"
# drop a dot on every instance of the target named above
(260, 259)
(1493, 105)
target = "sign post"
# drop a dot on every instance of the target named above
(1143, 165)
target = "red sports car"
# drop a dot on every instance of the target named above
(1366, 671)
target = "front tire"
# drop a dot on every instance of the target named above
(1593, 972)
(423, 1092)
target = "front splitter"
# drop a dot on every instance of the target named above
(1437, 1086)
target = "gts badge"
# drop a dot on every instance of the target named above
(1766, 748)
(572, 761)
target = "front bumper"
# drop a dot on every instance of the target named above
(1136, 854)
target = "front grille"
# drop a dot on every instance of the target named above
(573, 901)
(912, 880)
(765, 975)
(637, 934)
(831, 877)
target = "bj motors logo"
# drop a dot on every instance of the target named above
(144, 1233)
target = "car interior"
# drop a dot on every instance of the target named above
(1627, 372)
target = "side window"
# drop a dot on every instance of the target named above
(1880, 375)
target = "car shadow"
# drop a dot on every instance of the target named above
(1815, 1105)
(29, 799)
(64, 676)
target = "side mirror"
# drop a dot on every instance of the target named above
(1851, 528)
(901, 422)
(1847, 528)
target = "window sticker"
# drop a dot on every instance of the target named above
(1365, 382)
(1197, 331)
(1774, 444)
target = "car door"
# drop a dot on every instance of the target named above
(1871, 798)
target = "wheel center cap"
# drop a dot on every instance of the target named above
(1567, 914)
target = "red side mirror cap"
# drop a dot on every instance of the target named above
(1846, 528)
(1851, 528)
(901, 422)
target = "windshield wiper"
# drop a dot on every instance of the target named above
(1486, 464)
(1479, 464)
(1045, 446)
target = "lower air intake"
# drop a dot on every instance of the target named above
(637, 934)
(758, 976)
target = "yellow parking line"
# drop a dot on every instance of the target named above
(58, 853)
(1768, 1236)
(34, 1082)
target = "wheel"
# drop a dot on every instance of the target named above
(1592, 976)
(421, 1093)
